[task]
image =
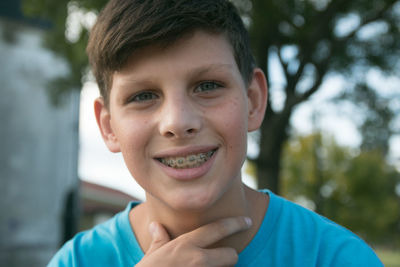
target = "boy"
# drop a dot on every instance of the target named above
(179, 92)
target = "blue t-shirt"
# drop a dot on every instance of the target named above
(289, 235)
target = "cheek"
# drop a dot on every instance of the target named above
(133, 138)
(233, 124)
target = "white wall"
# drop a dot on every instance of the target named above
(38, 148)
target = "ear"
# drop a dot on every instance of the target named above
(103, 118)
(257, 94)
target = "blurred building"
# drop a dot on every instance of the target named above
(99, 203)
(39, 145)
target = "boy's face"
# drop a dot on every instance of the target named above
(180, 116)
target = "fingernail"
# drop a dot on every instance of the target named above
(248, 221)
(152, 228)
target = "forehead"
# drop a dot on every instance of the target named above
(198, 50)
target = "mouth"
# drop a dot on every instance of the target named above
(187, 162)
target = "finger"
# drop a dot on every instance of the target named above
(207, 235)
(222, 256)
(159, 236)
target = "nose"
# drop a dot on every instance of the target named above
(179, 117)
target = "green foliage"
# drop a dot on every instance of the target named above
(357, 190)
(312, 39)
(322, 36)
(330, 35)
(378, 116)
(70, 49)
(389, 258)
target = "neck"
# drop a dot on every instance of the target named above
(242, 202)
(178, 222)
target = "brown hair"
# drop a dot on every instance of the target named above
(126, 25)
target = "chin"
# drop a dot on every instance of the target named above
(193, 202)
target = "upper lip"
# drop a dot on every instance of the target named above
(184, 151)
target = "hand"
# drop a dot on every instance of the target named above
(190, 249)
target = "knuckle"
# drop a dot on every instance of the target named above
(157, 241)
(199, 258)
(182, 239)
(223, 226)
(228, 226)
(179, 246)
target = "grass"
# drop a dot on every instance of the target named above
(390, 258)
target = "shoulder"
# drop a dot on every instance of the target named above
(87, 246)
(315, 237)
(105, 244)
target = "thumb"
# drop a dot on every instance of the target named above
(159, 237)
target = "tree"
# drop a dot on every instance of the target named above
(357, 189)
(379, 115)
(311, 39)
(67, 37)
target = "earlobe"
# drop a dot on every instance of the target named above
(103, 119)
(257, 94)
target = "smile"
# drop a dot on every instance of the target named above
(189, 161)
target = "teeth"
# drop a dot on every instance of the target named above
(190, 161)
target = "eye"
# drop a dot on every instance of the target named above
(207, 86)
(143, 97)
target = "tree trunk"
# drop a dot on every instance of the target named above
(273, 136)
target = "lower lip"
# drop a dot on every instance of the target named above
(188, 174)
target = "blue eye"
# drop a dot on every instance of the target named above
(207, 86)
(143, 97)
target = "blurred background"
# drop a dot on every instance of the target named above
(330, 140)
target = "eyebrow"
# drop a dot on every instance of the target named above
(195, 72)
(208, 68)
